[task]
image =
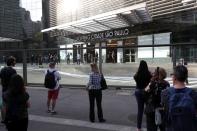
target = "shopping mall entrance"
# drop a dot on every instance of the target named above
(111, 52)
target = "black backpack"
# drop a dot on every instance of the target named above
(49, 81)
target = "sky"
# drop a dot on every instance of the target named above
(35, 8)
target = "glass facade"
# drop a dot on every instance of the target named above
(72, 10)
(64, 11)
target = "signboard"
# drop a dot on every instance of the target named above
(100, 36)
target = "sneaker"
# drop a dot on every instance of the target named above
(53, 112)
(48, 111)
(92, 121)
(102, 120)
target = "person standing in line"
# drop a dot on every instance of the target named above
(95, 93)
(85, 58)
(184, 63)
(142, 79)
(113, 57)
(78, 59)
(53, 92)
(32, 59)
(16, 101)
(179, 102)
(68, 58)
(5, 75)
(153, 100)
(96, 57)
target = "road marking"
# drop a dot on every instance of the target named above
(124, 93)
(80, 123)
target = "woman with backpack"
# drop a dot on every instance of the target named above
(17, 102)
(142, 79)
(153, 110)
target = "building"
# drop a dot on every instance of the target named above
(11, 32)
(10, 21)
(30, 27)
(124, 23)
(31, 12)
(16, 29)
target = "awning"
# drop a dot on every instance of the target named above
(120, 18)
(3, 39)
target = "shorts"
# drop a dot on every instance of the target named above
(53, 94)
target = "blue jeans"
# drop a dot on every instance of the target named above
(139, 94)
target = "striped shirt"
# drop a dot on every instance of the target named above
(94, 81)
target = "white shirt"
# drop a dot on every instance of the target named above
(78, 56)
(57, 77)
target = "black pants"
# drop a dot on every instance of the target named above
(139, 94)
(17, 125)
(95, 94)
(150, 122)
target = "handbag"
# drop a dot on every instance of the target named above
(89, 86)
(103, 83)
(158, 120)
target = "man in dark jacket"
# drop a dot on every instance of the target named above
(5, 76)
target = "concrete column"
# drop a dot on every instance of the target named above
(25, 67)
(174, 56)
(103, 44)
(119, 52)
(100, 57)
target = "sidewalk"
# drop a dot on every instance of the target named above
(119, 107)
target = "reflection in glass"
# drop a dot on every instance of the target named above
(145, 52)
(161, 52)
(162, 38)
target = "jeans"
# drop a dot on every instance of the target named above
(139, 94)
(95, 95)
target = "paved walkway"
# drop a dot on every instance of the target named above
(119, 108)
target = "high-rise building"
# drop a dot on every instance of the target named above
(30, 28)
(10, 21)
(124, 23)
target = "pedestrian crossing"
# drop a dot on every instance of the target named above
(124, 80)
(192, 82)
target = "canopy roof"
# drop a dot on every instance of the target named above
(120, 18)
(3, 39)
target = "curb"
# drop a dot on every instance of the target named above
(83, 86)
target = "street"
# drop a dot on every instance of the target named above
(119, 107)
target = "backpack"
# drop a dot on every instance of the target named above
(181, 110)
(50, 81)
